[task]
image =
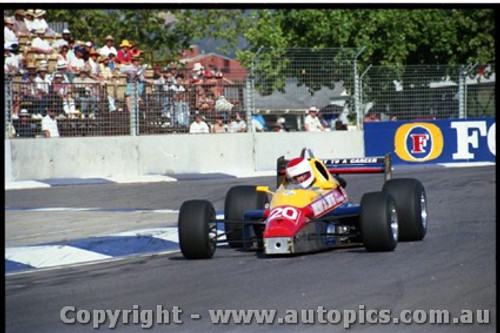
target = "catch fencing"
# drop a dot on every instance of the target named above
(428, 92)
(279, 87)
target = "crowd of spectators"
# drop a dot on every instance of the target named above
(81, 70)
(58, 71)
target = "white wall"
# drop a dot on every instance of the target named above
(122, 156)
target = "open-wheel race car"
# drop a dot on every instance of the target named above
(299, 219)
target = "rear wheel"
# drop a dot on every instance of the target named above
(411, 205)
(197, 229)
(238, 200)
(378, 221)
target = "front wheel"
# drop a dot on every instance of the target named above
(197, 229)
(378, 221)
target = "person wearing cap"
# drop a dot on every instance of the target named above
(50, 128)
(13, 59)
(124, 57)
(39, 44)
(199, 126)
(64, 40)
(19, 24)
(29, 20)
(106, 71)
(9, 35)
(77, 62)
(312, 122)
(24, 128)
(108, 47)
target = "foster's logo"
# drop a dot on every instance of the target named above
(418, 142)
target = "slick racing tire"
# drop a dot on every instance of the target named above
(238, 200)
(411, 205)
(378, 221)
(197, 229)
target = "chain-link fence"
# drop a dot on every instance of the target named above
(278, 91)
(286, 82)
(90, 108)
(426, 92)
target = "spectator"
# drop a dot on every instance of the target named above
(219, 126)
(199, 126)
(163, 92)
(49, 122)
(134, 51)
(85, 93)
(24, 128)
(112, 60)
(71, 49)
(87, 47)
(43, 86)
(108, 47)
(180, 109)
(106, 72)
(204, 100)
(93, 64)
(77, 62)
(258, 123)
(135, 80)
(9, 35)
(40, 22)
(63, 68)
(371, 116)
(63, 54)
(19, 24)
(312, 123)
(29, 93)
(63, 90)
(29, 20)
(39, 44)
(237, 124)
(64, 40)
(197, 73)
(124, 57)
(13, 59)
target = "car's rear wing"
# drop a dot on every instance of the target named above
(378, 164)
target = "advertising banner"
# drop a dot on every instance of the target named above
(429, 142)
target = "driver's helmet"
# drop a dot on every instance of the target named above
(299, 171)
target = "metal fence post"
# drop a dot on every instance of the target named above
(359, 116)
(8, 106)
(134, 111)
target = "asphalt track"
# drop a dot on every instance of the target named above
(452, 269)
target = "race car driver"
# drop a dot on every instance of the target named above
(299, 171)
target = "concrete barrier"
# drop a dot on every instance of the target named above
(132, 156)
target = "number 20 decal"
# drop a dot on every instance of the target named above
(286, 212)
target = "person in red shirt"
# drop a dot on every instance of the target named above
(124, 56)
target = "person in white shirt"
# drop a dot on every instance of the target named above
(312, 122)
(13, 59)
(62, 41)
(41, 45)
(29, 20)
(40, 22)
(106, 49)
(49, 123)
(237, 124)
(9, 35)
(199, 126)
